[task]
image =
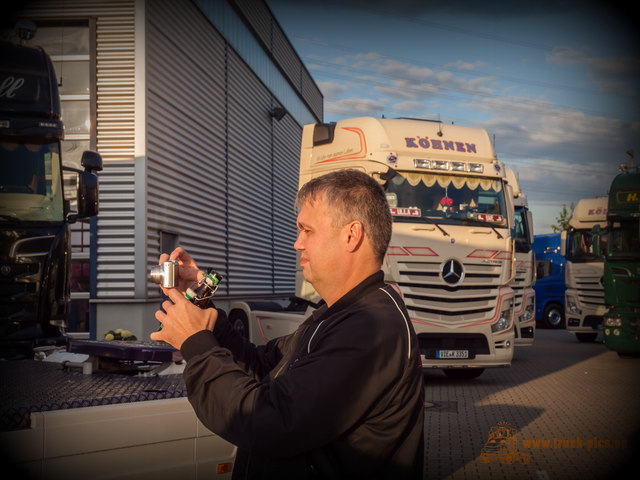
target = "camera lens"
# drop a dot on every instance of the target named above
(165, 274)
(157, 274)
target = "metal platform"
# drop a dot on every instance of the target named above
(127, 350)
(36, 386)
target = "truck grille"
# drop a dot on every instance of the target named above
(19, 288)
(518, 288)
(427, 296)
(590, 291)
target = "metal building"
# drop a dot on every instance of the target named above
(197, 108)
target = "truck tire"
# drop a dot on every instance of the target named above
(553, 315)
(586, 337)
(463, 373)
(239, 322)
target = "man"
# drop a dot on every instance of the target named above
(342, 396)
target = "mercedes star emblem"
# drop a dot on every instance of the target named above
(452, 272)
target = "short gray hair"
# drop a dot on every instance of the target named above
(353, 195)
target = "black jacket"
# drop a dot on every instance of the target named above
(342, 397)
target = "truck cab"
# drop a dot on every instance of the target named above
(525, 298)
(451, 255)
(621, 326)
(549, 286)
(35, 215)
(583, 246)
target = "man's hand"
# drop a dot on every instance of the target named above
(188, 271)
(182, 319)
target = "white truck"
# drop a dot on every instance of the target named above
(582, 246)
(451, 255)
(525, 295)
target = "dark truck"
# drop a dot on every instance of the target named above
(35, 216)
(70, 407)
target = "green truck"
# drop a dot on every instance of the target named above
(622, 266)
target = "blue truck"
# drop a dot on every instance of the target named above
(549, 286)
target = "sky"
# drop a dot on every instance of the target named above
(556, 84)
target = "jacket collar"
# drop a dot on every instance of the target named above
(370, 283)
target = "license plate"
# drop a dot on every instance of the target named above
(452, 354)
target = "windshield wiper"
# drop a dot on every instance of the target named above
(432, 222)
(495, 230)
(471, 221)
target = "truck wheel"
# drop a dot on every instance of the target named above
(239, 322)
(553, 315)
(586, 337)
(463, 373)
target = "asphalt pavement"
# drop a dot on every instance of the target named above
(563, 410)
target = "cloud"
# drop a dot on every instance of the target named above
(404, 80)
(403, 91)
(611, 74)
(415, 107)
(354, 107)
(466, 66)
(331, 90)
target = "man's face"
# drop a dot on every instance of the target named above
(319, 245)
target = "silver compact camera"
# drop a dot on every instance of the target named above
(165, 274)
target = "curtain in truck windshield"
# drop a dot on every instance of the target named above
(586, 246)
(30, 185)
(413, 195)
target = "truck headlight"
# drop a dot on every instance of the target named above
(528, 313)
(504, 321)
(572, 306)
(612, 322)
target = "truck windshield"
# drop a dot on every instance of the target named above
(454, 199)
(30, 185)
(624, 239)
(585, 246)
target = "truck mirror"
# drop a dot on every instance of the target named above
(88, 204)
(530, 223)
(511, 220)
(563, 243)
(91, 161)
(388, 175)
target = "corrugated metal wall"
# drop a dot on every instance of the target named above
(218, 171)
(115, 36)
(185, 133)
(275, 41)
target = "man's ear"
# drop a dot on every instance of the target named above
(355, 235)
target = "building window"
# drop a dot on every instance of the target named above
(168, 242)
